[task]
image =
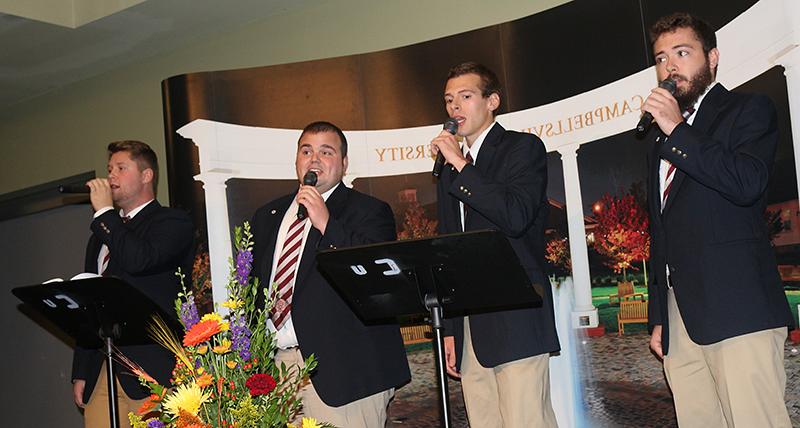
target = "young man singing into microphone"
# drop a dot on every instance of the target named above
(497, 180)
(717, 309)
(359, 365)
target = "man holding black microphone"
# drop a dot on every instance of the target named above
(358, 365)
(717, 309)
(137, 240)
(497, 180)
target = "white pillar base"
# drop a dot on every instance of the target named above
(585, 319)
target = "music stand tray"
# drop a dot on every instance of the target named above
(98, 313)
(446, 275)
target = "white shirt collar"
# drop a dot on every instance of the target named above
(330, 191)
(476, 146)
(136, 210)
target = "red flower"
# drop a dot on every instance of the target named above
(260, 384)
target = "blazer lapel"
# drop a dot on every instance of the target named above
(677, 180)
(655, 181)
(483, 162)
(92, 254)
(489, 148)
(449, 174)
(272, 223)
(710, 108)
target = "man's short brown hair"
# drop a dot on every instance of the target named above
(668, 24)
(322, 126)
(489, 85)
(139, 152)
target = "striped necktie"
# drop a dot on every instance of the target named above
(283, 282)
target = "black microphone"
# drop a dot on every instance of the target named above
(73, 188)
(451, 126)
(647, 118)
(310, 179)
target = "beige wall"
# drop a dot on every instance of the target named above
(65, 132)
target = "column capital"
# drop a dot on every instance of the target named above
(570, 150)
(790, 60)
(214, 178)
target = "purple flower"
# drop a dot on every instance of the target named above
(240, 337)
(155, 423)
(189, 315)
(244, 260)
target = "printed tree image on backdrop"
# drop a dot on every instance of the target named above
(556, 253)
(416, 224)
(621, 235)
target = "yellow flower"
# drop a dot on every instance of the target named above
(212, 316)
(200, 370)
(231, 364)
(311, 423)
(188, 398)
(222, 348)
(202, 349)
(232, 304)
(223, 325)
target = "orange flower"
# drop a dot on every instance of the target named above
(204, 380)
(187, 420)
(201, 332)
(147, 406)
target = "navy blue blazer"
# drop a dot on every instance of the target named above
(145, 252)
(354, 360)
(712, 232)
(506, 190)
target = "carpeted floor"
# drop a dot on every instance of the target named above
(623, 383)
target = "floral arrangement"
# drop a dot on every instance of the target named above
(225, 375)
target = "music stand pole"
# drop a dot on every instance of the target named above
(111, 381)
(432, 303)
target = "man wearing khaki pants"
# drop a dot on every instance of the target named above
(717, 309)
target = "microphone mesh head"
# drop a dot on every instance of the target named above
(451, 126)
(310, 179)
(669, 85)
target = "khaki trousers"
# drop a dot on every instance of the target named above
(736, 383)
(368, 412)
(511, 395)
(95, 414)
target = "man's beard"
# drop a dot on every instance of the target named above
(697, 86)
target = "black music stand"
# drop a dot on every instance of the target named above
(97, 312)
(453, 274)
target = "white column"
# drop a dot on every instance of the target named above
(584, 313)
(219, 234)
(791, 65)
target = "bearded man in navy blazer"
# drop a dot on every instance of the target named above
(497, 180)
(143, 244)
(358, 365)
(717, 308)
